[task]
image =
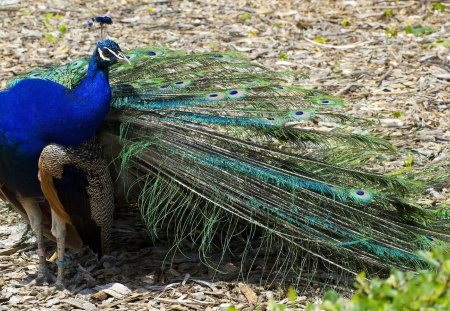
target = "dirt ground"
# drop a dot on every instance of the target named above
(360, 50)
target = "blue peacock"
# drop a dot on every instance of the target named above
(211, 146)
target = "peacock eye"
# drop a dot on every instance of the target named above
(107, 53)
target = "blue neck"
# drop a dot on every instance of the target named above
(79, 114)
(95, 81)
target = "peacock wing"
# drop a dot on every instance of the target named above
(69, 74)
(77, 185)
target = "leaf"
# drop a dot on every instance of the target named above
(437, 6)
(392, 32)
(62, 28)
(419, 31)
(389, 13)
(251, 33)
(321, 40)
(48, 16)
(331, 296)
(420, 290)
(283, 55)
(397, 114)
(49, 37)
(291, 294)
(245, 16)
(346, 23)
(440, 42)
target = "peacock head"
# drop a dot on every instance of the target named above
(108, 53)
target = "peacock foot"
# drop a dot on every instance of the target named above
(59, 285)
(43, 276)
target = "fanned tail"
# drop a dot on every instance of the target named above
(220, 148)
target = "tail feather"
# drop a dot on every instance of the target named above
(255, 184)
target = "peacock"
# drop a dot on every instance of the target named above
(212, 147)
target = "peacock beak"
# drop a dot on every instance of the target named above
(119, 55)
(122, 57)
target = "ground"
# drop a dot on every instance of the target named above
(359, 50)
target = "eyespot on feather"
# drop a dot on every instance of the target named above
(181, 84)
(214, 96)
(361, 195)
(236, 93)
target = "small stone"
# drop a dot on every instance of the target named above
(108, 261)
(15, 283)
(130, 20)
(28, 33)
(107, 301)
(84, 305)
(52, 302)
(198, 296)
(115, 290)
(269, 295)
(87, 292)
(230, 268)
(100, 296)
(26, 298)
(392, 122)
(9, 4)
(14, 300)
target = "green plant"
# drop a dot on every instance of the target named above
(52, 23)
(391, 33)
(251, 33)
(389, 13)
(346, 23)
(397, 114)
(62, 28)
(401, 291)
(277, 24)
(419, 31)
(439, 42)
(321, 40)
(283, 55)
(245, 16)
(49, 38)
(420, 290)
(437, 6)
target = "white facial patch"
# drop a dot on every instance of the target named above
(101, 54)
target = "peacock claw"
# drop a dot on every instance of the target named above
(43, 277)
(59, 285)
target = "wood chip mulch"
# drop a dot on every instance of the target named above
(355, 49)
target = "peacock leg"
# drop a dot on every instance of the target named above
(48, 169)
(35, 217)
(59, 232)
(90, 180)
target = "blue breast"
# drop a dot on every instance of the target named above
(35, 113)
